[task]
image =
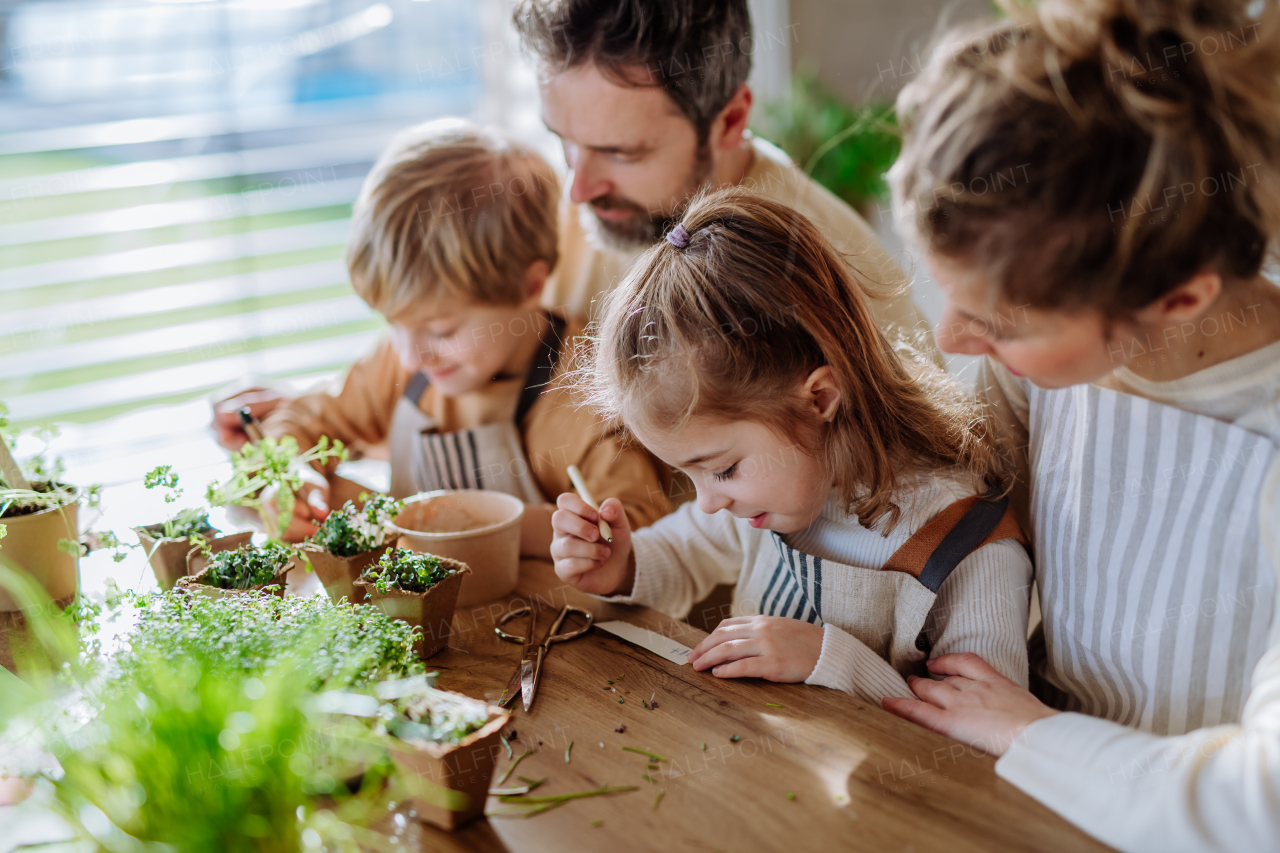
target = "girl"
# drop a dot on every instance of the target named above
(848, 493)
(1095, 186)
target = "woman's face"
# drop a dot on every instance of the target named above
(1052, 349)
(747, 469)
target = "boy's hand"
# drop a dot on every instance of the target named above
(226, 414)
(774, 648)
(310, 507)
(582, 556)
(974, 704)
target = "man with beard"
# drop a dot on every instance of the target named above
(650, 102)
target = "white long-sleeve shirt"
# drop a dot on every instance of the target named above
(1210, 789)
(981, 607)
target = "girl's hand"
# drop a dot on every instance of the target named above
(582, 556)
(771, 647)
(974, 704)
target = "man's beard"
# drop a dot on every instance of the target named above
(644, 228)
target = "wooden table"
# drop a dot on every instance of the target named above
(862, 778)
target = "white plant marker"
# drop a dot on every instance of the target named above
(12, 473)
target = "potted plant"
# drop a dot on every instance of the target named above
(168, 542)
(437, 740)
(203, 735)
(233, 572)
(39, 531)
(421, 589)
(348, 542)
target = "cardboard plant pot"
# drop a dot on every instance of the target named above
(432, 610)
(339, 574)
(473, 526)
(465, 767)
(169, 557)
(31, 544)
(196, 581)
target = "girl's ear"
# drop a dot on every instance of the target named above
(1185, 303)
(821, 392)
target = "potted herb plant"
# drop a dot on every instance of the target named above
(39, 531)
(232, 572)
(421, 589)
(437, 740)
(168, 542)
(266, 476)
(348, 542)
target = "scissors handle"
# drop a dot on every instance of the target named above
(554, 637)
(516, 614)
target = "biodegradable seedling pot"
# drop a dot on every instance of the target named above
(197, 579)
(31, 544)
(431, 609)
(339, 574)
(465, 767)
(476, 527)
(169, 557)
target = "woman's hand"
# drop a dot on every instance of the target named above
(974, 704)
(310, 507)
(770, 647)
(582, 556)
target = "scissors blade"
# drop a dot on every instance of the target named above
(528, 682)
(513, 687)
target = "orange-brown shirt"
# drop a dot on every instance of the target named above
(558, 430)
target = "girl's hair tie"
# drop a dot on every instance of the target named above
(678, 237)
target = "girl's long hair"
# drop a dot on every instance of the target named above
(730, 326)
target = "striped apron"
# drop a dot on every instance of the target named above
(888, 608)
(1155, 590)
(488, 456)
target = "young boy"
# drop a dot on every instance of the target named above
(453, 237)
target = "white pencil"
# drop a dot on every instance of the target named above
(580, 485)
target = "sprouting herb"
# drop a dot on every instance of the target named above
(407, 570)
(651, 755)
(270, 469)
(351, 530)
(658, 799)
(514, 764)
(247, 566)
(566, 752)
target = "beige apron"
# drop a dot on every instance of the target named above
(1155, 589)
(894, 601)
(488, 456)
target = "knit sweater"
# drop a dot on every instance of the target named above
(980, 608)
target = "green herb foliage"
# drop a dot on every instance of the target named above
(269, 470)
(407, 570)
(351, 530)
(247, 566)
(193, 521)
(433, 715)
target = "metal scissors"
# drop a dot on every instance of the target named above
(529, 671)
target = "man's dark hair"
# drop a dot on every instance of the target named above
(697, 51)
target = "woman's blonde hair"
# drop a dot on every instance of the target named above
(1094, 154)
(451, 209)
(729, 325)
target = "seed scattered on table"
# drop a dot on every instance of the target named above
(658, 798)
(790, 795)
(704, 746)
(772, 705)
(597, 823)
(736, 738)
(620, 729)
(622, 701)
(566, 752)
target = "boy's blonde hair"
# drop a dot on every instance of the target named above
(452, 210)
(754, 302)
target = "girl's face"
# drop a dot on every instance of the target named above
(746, 468)
(1052, 349)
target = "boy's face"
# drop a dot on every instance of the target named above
(460, 345)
